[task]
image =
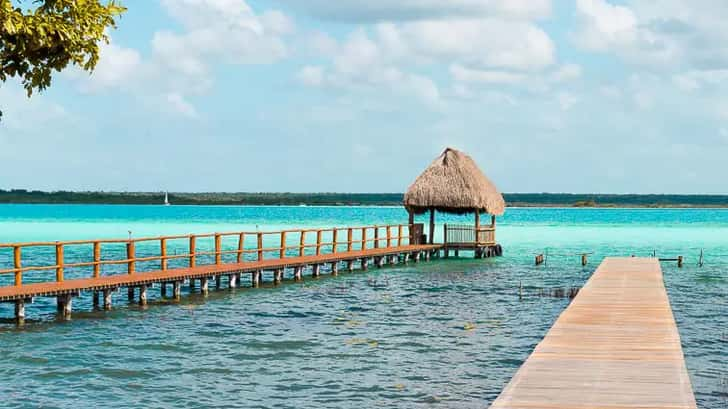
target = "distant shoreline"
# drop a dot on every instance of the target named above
(551, 200)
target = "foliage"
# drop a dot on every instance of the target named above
(52, 35)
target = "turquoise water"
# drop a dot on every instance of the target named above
(394, 337)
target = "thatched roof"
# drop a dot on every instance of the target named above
(453, 183)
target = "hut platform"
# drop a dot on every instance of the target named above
(616, 346)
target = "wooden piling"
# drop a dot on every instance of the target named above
(298, 273)
(335, 268)
(163, 290)
(204, 285)
(107, 298)
(95, 299)
(232, 281)
(177, 290)
(680, 261)
(20, 311)
(278, 276)
(65, 304)
(316, 270)
(130, 293)
(143, 294)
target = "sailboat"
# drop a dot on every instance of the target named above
(166, 199)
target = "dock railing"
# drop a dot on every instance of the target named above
(467, 234)
(94, 258)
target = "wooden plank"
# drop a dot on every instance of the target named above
(615, 346)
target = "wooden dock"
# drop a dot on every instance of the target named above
(616, 346)
(227, 258)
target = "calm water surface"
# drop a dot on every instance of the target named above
(450, 333)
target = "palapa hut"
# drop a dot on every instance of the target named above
(453, 183)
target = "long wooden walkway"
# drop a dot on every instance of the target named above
(616, 346)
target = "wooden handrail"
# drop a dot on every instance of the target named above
(131, 260)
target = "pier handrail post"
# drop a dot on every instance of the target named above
(349, 239)
(444, 233)
(218, 249)
(193, 250)
(260, 246)
(363, 238)
(130, 257)
(18, 265)
(59, 261)
(241, 246)
(376, 237)
(163, 253)
(97, 259)
(302, 244)
(389, 236)
(333, 240)
(318, 242)
(283, 245)
(400, 233)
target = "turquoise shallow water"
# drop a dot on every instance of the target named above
(394, 337)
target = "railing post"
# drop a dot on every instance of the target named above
(389, 236)
(163, 253)
(260, 246)
(333, 240)
(318, 242)
(218, 249)
(376, 237)
(241, 246)
(283, 245)
(349, 239)
(130, 257)
(193, 250)
(18, 265)
(445, 233)
(302, 244)
(97, 259)
(363, 238)
(59, 262)
(400, 233)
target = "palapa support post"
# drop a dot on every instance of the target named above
(107, 298)
(432, 225)
(411, 222)
(177, 290)
(143, 294)
(205, 285)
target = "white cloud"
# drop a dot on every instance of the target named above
(567, 72)
(389, 10)
(566, 100)
(464, 74)
(177, 103)
(215, 32)
(312, 76)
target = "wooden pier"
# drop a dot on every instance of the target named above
(616, 346)
(231, 256)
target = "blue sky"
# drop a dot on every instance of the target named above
(360, 95)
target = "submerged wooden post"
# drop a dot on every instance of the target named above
(282, 254)
(584, 259)
(260, 246)
(59, 262)
(241, 246)
(97, 259)
(20, 311)
(193, 250)
(18, 266)
(218, 249)
(680, 261)
(143, 294)
(107, 298)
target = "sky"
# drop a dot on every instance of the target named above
(583, 96)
